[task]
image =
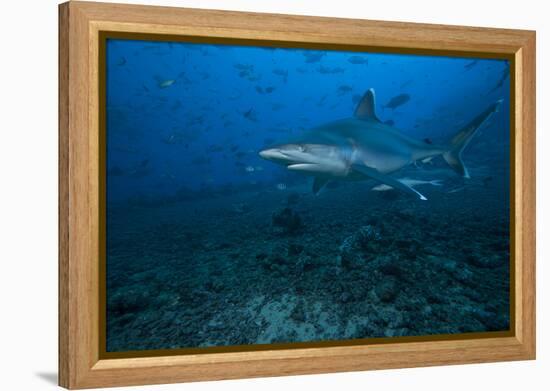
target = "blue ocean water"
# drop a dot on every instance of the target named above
(208, 244)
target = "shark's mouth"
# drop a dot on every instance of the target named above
(272, 154)
(280, 156)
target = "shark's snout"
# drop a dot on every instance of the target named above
(270, 154)
(308, 158)
(277, 155)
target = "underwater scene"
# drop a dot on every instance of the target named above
(262, 195)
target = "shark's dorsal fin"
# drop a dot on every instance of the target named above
(366, 109)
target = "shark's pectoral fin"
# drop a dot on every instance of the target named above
(387, 180)
(318, 183)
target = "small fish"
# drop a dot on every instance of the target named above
(250, 115)
(428, 141)
(357, 60)
(121, 61)
(204, 75)
(503, 76)
(249, 169)
(293, 198)
(280, 186)
(115, 171)
(322, 101)
(200, 161)
(176, 105)
(405, 84)
(222, 47)
(241, 207)
(281, 72)
(487, 180)
(409, 182)
(168, 175)
(181, 76)
(126, 150)
(150, 47)
(215, 148)
(140, 170)
(344, 89)
(266, 90)
(254, 77)
(397, 101)
(330, 71)
(243, 67)
(313, 56)
(470, 65)
(171, 140)
(166, 83)
(235, 96)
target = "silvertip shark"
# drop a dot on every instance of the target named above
(363, 147)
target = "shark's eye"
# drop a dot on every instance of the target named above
(301, 148)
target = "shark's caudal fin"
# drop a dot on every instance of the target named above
(454, 155)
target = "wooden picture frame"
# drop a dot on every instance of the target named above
(81, 364)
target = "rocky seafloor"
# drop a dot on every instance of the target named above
(287, 266)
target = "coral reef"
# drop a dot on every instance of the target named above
(360, 246)
(286, 220)
(210, 272)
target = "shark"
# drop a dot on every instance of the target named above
(364, 148)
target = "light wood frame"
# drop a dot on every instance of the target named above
(80, 23)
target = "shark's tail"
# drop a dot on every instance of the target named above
(454, 155)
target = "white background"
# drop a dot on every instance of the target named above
(28, 194)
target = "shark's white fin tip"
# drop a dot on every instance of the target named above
(420, 195)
